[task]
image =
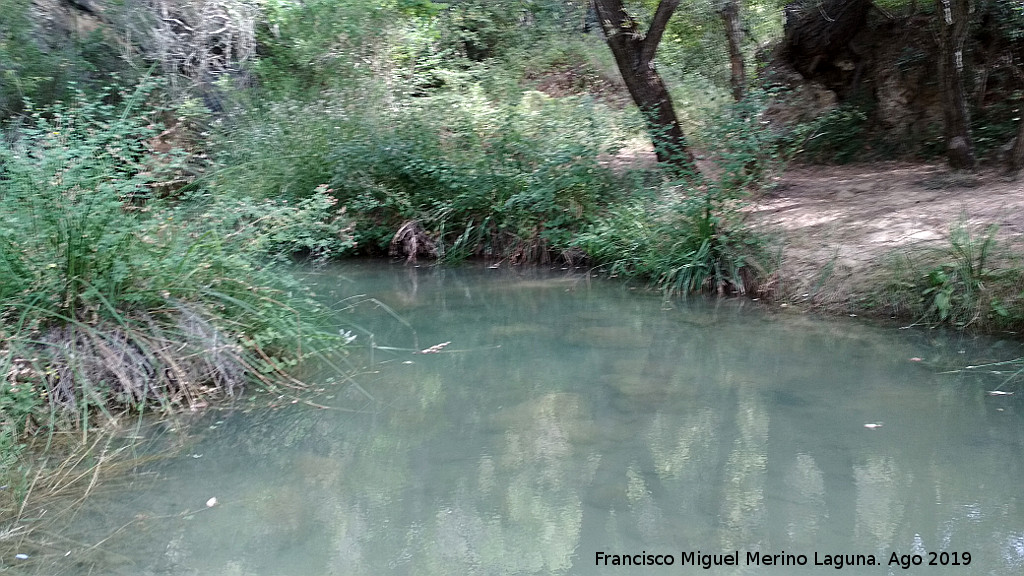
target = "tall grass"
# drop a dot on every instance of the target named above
(971, 282)
(113, 299)
(690, 235)
(479, 177)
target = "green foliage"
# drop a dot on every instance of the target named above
(308, 47)
(692, 245)
(969, 283)
(959, 291)
(415, 46)
(278, 229)
(480, 30)
(46, 68)
(483, 177)
(693, 238)
(693, 55)
(1007, 18)
(278, 149)
(76, 180)
(995, 125)
(745, 149)
(837, 137)
(18, 403)
(111, 299)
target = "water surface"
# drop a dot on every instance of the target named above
(570, 416)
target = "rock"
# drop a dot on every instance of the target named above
(803, 101)
(58, 21)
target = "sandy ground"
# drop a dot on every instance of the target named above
(843, 228)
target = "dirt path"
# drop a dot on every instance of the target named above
(843, 227)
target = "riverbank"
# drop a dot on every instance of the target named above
(860, 238)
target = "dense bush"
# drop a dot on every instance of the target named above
(278, 150)
(486, 178)
(111, 298)
(308, 47)
(482, 177)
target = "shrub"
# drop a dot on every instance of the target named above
(838, 136)
(278, 230)
(276, 150)
(514, 180)
(112, 299)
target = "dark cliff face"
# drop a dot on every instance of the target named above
(818, 33)
(885, 66)
(55, 23)
(55, 45)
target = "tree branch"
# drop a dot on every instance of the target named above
(657, 29)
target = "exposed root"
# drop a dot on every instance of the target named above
(534, 250)
(412, 241)
(756, 282)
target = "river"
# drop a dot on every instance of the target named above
(515, 422)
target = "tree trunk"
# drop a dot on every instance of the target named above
(734, 34)
(1017, 152)
(634, 55)
(954, 25)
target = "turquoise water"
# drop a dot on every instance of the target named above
(567, 417)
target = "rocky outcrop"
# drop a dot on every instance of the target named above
(901, 77)
(800, 100)
(57, 21)
(193, 39)
(885, 65)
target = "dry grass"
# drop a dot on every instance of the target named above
(37, 507)
(104, 367)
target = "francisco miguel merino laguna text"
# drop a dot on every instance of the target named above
(706, 561)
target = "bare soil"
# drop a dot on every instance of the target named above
(843, 229)
(843, 232)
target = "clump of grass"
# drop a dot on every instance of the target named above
(680, 246)
(973, 282)
(691, 235)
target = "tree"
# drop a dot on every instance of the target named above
(730, 13)
(1017, 152)
(634, 55)
(954, 24)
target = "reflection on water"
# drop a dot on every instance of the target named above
(569, 417)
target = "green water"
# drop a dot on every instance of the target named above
(569, 417)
